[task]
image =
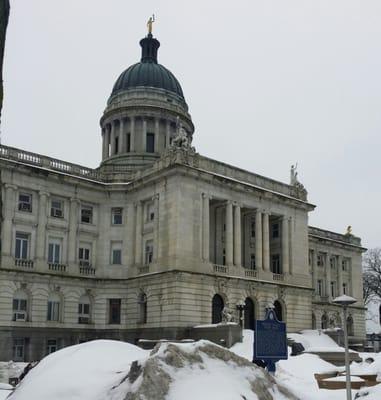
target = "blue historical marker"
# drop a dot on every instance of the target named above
(270, 340)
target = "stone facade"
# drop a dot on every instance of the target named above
(157, 240)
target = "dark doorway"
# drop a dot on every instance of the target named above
(249, 316)
(278, 310)
(217, 307)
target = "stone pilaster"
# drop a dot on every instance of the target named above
(9, 206)
(41, 226)
(132, 134)
(205, 227)
(168, 133)
(229, 233)
(157, 127)
(328, 276)
(73, 226)
(112, 138)
(138, 234)
(104, 143)
(285, 246)
(156, 243)
(237, 236)
(266, 241)
(314, 271)
(144, 135)
(258, 239)
(122, 137)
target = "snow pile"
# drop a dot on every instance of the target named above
(109, 370)
(315, 340)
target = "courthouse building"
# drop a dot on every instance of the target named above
(158, 238)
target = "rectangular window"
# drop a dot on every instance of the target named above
(150, 145)
(56, 209)
(128, 142)
(344, 265)
(275, 230)
(116, 257)
(320, 287)
(83, 313)
(116, 145)
(345, 289)
(84, 253)
(252, 261)
(332, 262)
(148, 252)
(150, 212)
(275, 264)
(22, 245)
(51, 346)
(19, 309)
(53, 311)
(252, 229)
(320, 260)
(54, 251)
(223, 257)
(87, 215)
(18, 349)
(25, 202)
(117, 216)
(333, 289)
(114, 311)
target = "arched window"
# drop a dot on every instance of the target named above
(84, 310)
(313, 321)
(217, 307)
(142, 301)
(324, 321)
(20, 306)
(249, 316)
(54, 307)
(350, 326)
(278, 310)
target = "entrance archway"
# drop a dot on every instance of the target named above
(217, 307)
(249, 315)
(278, 310)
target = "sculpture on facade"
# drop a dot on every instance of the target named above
(294, 175)
(149, 24)
(181, 140)
(300, 190)
(226, 316)
(349, 230)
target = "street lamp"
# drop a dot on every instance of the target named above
(345, 301)
(240, 307)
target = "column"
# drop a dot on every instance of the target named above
(104, 143)
(285, 246)
(258, 239)
(156, 229)
(266, 241)
(41, 226)
(328, 276)
(9, 206)
(237, 236)
(112, 138)
(205, 227)
(314, 271)
(138, 239)
(339, 276)
(108, 139)
(157, 126)
(122, 137)
(132, 134)
(129, 234)
(144, 138)
(72, 236)
(168, 133)
(291, 245)
(229, 233)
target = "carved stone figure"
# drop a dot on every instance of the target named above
(226, 315)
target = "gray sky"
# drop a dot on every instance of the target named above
(268, 83)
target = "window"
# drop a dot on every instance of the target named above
(51, 346)
(128, 142)
(345, 288)
(116, 146)
(20, 308)
(54, 251)
(333, 289)
(252, 261)
(116, 253)
(114, 311)
(18, 349)
(84, 253)
(149, 252)
(344, 265)
(320, 287)
(252, 229)
(22, 245)
(150, 216)
(25, 202)
(320, 260)
(53, 308)
(84, 310)
(223, 257)
(56, 209)
(87, 215)
(275, 264)
(150, 145)
(275, 230)
(117, 216)
(142, 308)
(332, 262)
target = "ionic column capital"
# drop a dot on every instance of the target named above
(10, 186)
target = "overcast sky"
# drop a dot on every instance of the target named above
(268, 83)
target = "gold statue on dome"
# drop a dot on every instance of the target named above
(149, 24)
(349, 230)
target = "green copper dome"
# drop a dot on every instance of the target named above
(148, 73)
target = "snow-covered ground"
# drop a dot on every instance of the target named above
(98, 371)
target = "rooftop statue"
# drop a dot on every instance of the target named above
(149, 24)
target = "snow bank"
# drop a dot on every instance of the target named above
(314, 339)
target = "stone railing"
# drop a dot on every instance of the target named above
(21, 262)
(143, 270)
(220, 269)
(278, 277)
(57, 267)
(346, 238)
(26, 157)
(251, 273)
(88, 270)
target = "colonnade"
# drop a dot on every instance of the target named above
(233, 236)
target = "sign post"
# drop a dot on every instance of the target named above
(270, 340)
